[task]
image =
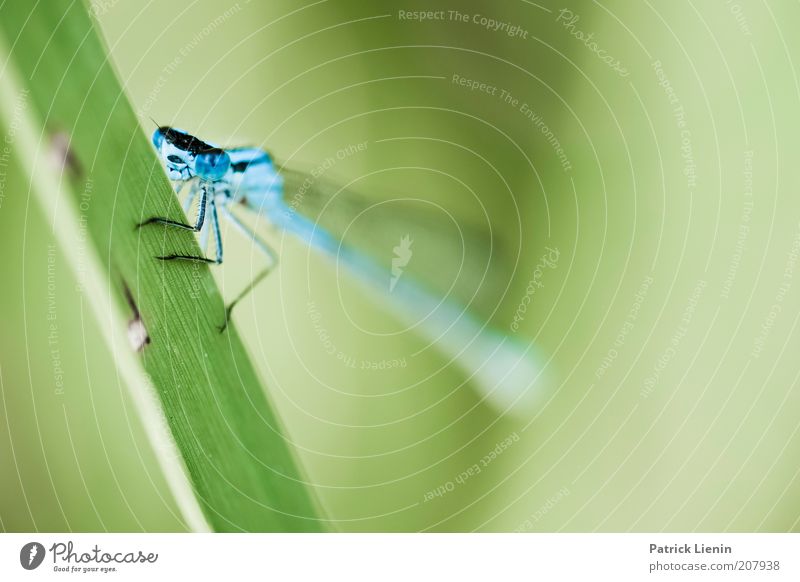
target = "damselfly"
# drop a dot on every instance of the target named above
(510, 373)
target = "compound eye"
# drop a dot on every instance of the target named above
(176, 159)
(212, 165)
(158, 138)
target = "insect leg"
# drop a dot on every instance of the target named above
(201, 215)
(217, 233)
(248, 232)
(262, 246)
(204, 234)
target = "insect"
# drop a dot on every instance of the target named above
(508, 372)
(220, 178)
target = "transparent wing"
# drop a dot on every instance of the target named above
(409, 236)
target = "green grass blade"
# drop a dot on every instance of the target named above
(59, 93)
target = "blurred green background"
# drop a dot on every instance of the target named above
(669, 321)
